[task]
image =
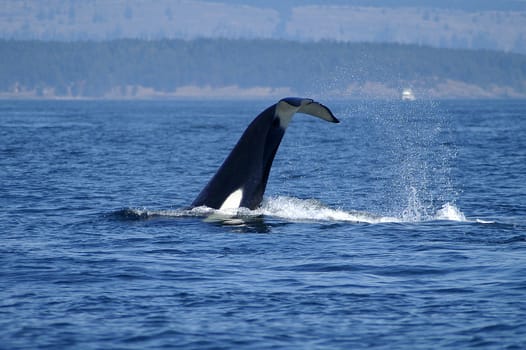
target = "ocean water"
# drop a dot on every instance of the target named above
(402, 227)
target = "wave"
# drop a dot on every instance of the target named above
(296, 210)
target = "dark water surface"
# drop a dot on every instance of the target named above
(403, 227)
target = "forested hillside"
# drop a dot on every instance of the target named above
(127, 67)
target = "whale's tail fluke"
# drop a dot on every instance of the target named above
(242, 179)
(310, 107)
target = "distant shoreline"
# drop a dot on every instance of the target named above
(450, 90)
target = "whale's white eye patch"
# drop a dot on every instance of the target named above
(233, 200)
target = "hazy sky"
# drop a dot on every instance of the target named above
(472, 24)
(467, 5)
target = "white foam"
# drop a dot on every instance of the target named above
(451, 213)
(296, 209)
(143, 213)
(308, 210)
(416, 210)
(486, 222)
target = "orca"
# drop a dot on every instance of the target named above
(242, 178)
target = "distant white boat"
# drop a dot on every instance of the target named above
(408, 95)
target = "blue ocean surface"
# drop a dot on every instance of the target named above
(402, 227)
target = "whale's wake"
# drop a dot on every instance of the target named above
(297, 210)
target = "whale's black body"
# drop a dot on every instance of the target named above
(242, 178)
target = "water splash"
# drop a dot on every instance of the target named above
(297, 210)
(415, 211)
(415, 156)
(451, 213)
(418, 210)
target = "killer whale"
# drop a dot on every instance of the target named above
(242, 178)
